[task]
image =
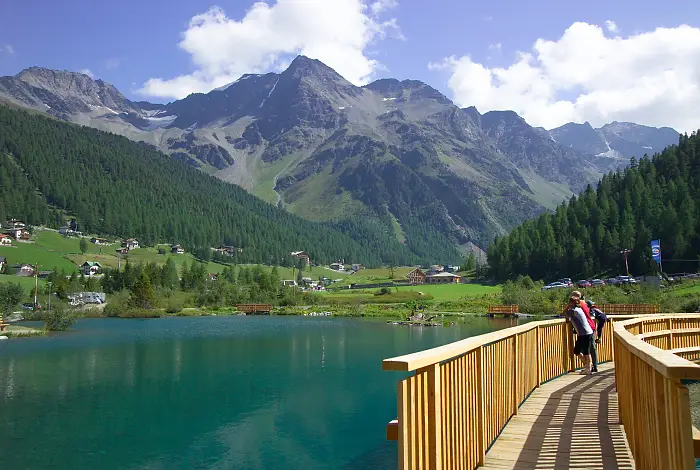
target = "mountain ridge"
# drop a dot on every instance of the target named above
(397, 153)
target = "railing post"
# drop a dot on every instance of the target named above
(537, 355)
(481, 409)
(569, 353)
(515, 374)
(434, 417)
(670, 333)
(403, 425)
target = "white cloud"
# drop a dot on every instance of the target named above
(496, 47)
(88, 73)
(222, 49)
(651, 78)
(381, 6)
(7, 48)
(611, 26)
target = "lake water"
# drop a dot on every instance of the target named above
(210, 392)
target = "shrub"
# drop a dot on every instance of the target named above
(140, 313)
(173, 307)
(58, 319)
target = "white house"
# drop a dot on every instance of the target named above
(25, 270)
(99, 241)
(130, 243)
(5, 240)
(90, 268)
(177, 249)
(19, 233)
(337, 267)
(14, 223)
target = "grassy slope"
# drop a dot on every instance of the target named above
(445, 292)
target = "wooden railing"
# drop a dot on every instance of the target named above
(653, 401)
(461, 395)
(503, 309)
(254, 308)
(629, 309)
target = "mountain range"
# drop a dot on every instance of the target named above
(397, 154)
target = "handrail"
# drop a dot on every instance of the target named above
(653, 401)
(461, 395)
(420, 359)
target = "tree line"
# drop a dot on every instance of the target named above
(116, 187)
(653, 198)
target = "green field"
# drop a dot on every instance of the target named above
(26, 282)
(33, 253)
(444, 292)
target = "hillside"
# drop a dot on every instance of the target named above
(117, 187)
(393, 158)
(654, 198)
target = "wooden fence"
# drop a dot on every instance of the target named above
(254, 308)
(503, 309)
(461, 395)
(625, 309)
(651, 364)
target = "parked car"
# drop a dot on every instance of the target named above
(583, 283)
(597, 282)
(613, 281)
(555, 285)
(567, 282)
(626, 280)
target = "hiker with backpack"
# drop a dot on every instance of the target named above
(600, 319)
(584, 332)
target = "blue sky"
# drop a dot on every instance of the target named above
(129, 42)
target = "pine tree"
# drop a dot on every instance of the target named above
(170, 277)
(142, 294)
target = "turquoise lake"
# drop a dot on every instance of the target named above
(208, 393)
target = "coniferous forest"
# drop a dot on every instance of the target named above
(653, 198)
(113, 186)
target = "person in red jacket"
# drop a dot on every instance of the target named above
(584, 307)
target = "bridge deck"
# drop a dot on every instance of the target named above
(570, 422)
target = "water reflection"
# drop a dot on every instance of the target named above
(208, 393)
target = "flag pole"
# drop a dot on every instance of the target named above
(661, 266)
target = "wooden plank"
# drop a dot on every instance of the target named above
(696, 442)
(540, 437)
(392, 430)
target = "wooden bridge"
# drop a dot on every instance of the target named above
(509, 399)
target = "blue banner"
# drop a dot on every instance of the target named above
(656, 250)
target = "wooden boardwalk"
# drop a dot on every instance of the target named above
(569, 422)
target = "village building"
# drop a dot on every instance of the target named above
(14, 223)
(228, 250)
(302, 255)
(123, 251)
(337, 266)
(44, 274)
(99, 241)
(443, 278)
(3, 262)
(130, 243)
(177, 249)
(5, 240)
(416, 277)
(90, 268)
(24, 270)
(19, 233)
(358, 267)
(289, 283)
(436, 268)
(213, 276)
